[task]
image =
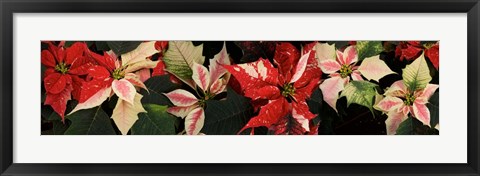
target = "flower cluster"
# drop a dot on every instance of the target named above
(183, 87)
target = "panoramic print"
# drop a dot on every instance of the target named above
(240, 87)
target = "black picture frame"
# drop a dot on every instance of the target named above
(9, 7)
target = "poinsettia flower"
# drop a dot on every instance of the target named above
(341, 67)
(160, 69)
(284, 88)
(210, 82)
(61, 78)
(399, 102)
(113, 76)
(412, 49)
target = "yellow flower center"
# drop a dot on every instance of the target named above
(409, 99)
(345, 71)
(61, 67)
(118, 73)
(288, 90)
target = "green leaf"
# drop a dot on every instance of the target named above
(360, 92)
(155, 122)
(432, 106)
(412, 126)
(156, 86)
(227, 117)
(121, 47)
(180, 57)
(58, 128)
(407, 127)
(326, 114)
(368, 49)
(54, 116)
(102, 46)
(417, 75)
(253, 50)
(92, 121)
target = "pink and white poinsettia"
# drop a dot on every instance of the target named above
(210, 84)
(399, 102)
(114, 76)
(341, 67)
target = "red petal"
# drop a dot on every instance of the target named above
(161, 45)
(301, 66)
(312, 72)
(77, 84)
(95, 100)
(254, 74)
(159, 69)
(106, 60)
(80, 66)
(269, 114)
(433, 55)
(313, 128)
(415, 43)
(90, 88)
(301, 108)
(56, 82)
(409, 52)
(48, 59)
(59, 101)
(266, 92)
(303, 93)
(74, 52)
(286, 57)
(48, 72)
(308, 47)
(98, 72)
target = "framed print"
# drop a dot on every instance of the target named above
(239, 88)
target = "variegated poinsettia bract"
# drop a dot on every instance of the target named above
(280, 89)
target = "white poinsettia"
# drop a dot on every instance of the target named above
(408, 96)
(341, 67)
(210, 81)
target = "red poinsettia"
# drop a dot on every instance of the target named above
(282, 88)
(62, 76)
(412, 49)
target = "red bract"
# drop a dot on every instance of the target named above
(61, 79)
(413, 49)
(284, 88)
